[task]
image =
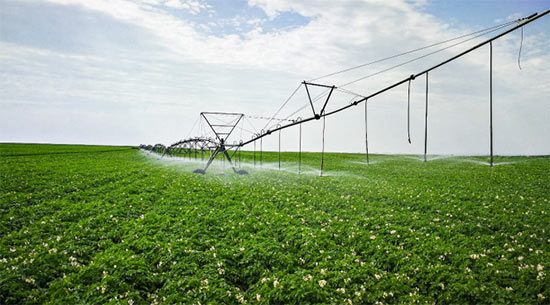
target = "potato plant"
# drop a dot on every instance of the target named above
(97, 225)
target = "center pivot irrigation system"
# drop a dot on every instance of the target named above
(223, 124)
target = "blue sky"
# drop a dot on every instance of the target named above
(140, 71)
(477, 12)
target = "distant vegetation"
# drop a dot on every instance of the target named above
(95, 225)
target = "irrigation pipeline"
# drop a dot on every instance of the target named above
(223, 128)
(526, 21)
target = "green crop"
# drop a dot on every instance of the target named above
(95, 225)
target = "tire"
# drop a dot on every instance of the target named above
(242, 172)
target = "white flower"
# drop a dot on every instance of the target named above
(241, 248)
(372, 236)
(322, 283)
(275, 283)
(509, 288)
(341, 290)
(393, 232)
(308, 277)
(258, 297)
(520, 258)
(29, 280)
(73, 261)
(240, 298)
(540, 267)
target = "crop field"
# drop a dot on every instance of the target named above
(96, 225)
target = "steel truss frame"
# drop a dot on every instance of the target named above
(222, 133)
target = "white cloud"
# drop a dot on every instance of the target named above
(255, 21)
(310, 48)
(194, 7)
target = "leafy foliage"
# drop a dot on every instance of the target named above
(115, 225)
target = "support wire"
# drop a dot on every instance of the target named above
(491, 98)
(409, 111)
(415, 50)
(426, 123)
(366, 133)
(520, 47)
(483, 32)
(323, 149)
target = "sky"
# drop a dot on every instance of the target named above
(130, 72)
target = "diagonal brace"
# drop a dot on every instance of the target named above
(220, 149)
